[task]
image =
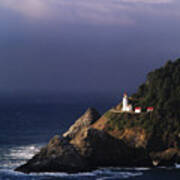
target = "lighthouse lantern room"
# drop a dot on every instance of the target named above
(126, 107)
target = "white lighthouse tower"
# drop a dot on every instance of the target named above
(125, 106)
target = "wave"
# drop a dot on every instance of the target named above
(177, 166)
(114, 173)
(11, 157)
(23, 152)
(121, 175)
(101, 174)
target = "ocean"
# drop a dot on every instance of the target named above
(27, 124)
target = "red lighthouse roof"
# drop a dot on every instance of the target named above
(150, 108)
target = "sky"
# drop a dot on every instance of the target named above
(54, 46)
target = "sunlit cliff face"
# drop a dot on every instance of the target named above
(124, 12)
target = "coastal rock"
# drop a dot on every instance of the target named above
(89, 150)
(166, 158)
(88, 118)
(58, 156)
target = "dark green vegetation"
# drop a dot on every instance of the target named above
(162, 91)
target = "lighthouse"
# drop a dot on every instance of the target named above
(125, 106)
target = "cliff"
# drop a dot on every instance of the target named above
(121, 139)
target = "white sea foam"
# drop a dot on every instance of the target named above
(101, 174)
(47, 174)
(87, 174)
(142, 169)
(114, 173)
(12, 172)
(105, 174)
(177, 166)
(23, 152)
(122, 175)
(15, 156)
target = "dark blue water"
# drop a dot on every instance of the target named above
(28, 124)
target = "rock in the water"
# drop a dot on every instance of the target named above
(90, 149)
(88, 118)
(166, 158)
(58, 156)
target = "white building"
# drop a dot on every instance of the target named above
(138, 110)
(150, 109)
(125, 106)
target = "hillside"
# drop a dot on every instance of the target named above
(159, 129)
(161, 89)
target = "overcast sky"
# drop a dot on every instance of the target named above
(52, 46)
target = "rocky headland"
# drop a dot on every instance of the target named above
(147, 139)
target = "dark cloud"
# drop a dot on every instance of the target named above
(84, 46)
